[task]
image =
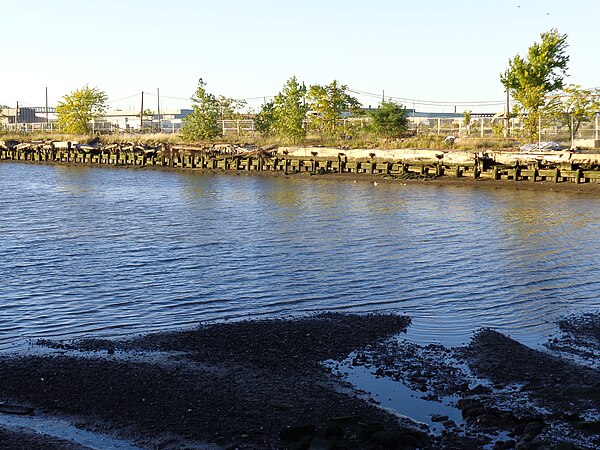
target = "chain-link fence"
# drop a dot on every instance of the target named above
(567, 130)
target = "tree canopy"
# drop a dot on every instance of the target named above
(264, 121)
(202, 124)
(574, 105)
(231, 108)
(79, 108)
(389, 120)
(530, 79)
(290, 111)
(328, 103)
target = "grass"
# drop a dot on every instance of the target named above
(358, 140)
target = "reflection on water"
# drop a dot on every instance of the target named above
(105, 251)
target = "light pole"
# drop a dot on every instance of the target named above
(572, 130)
(539, 129)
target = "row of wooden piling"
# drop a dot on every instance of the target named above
(260, 160)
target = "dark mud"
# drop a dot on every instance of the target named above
(243, 385)
(262, 384)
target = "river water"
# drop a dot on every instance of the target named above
(107, 252)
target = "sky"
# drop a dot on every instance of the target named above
(434, 55)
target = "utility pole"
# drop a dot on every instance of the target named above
(142, 113)
(47, 105)
(17, 117)
(539, 129)
(507, 130)
(572, 131)
(303, 95)
(158, 105)
(383, 96)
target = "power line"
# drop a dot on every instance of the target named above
(429, 102)
(124, 98)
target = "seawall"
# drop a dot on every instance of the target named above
(562, 166)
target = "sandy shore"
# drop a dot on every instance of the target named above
(261, 384)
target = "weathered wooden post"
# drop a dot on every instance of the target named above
(556, 175)
(496, 173)
(578, 176)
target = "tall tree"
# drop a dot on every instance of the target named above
(78, 109)
(529, 80)
(329, 102)
(389, 120)
(202, 123)
(290, 111)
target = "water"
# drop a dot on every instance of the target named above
(62, 429)
(107, 252)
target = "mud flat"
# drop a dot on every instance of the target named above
(262, 384)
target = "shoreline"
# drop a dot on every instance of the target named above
(262, 384)
(589, 188)
(582, 188)
(508, 169)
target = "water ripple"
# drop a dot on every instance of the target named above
(108, 252)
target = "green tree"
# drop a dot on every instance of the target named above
(231, 109)
(389, 120)
(574, 106)
(202, 123)
(264, 121)
(467, 121)
(529, 80)
(328, 103)
(290, 112)
(79, 108)
(146, 115)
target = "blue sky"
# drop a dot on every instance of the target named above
(429, 51)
